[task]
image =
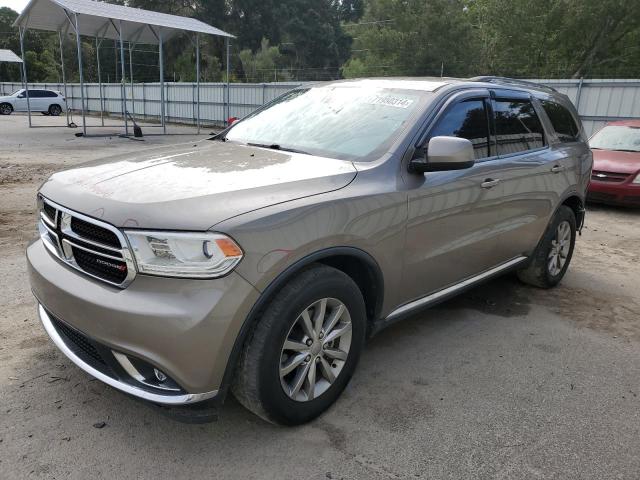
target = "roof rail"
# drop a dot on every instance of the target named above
(512, 81)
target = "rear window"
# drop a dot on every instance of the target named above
(518, 127)
(562, 121)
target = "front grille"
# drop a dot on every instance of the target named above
(50, 212)
(79, 343)
(95, 233)
(111, 270)
(610, 177)
(86, 244)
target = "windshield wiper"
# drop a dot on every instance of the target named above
(275, 146)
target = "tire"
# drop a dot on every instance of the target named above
(258, 384)
(5, 109)
(551, 258)
(55, 110)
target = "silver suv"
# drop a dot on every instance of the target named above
(260, 260)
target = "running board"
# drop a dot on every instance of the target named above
(445, 293)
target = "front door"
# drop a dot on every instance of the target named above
(453, 216)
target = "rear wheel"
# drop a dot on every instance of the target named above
(551, 259)
(55, 110)
(5, 109)
(304, 349)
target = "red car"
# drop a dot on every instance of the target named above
(616, 164)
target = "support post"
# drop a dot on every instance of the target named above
(228, 99)
(133, 98)
(99, 81)
(79, 44)
(123, 90)
(198, 81)
(22, 31)
(64, 77)
(161, 59)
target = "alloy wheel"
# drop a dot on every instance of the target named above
(560, 247)
(315, 349)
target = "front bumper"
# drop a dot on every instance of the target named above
(624, 193)
(185, 328)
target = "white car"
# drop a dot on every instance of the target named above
(49, 102)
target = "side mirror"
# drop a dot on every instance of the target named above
(22, 95)
(444, 153)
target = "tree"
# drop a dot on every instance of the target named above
(412, 37)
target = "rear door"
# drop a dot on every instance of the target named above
(453, 216)
(527, 164)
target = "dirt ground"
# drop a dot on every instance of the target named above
(506, 381)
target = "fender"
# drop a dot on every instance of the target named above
(278, 282)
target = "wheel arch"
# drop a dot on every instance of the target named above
(358, 264)
(575, 203)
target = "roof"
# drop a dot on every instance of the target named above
(99, 19)
(625, 123)
(425, 84)
(9, 56)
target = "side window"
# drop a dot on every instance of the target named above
(562, 121)
(518, 127)
(49, 93)
(36, 94)
(467, 119)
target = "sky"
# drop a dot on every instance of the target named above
(16, 5)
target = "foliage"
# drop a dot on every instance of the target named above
(263, 66)
(325, 39)
(519, 38)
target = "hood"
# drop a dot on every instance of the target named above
(615, 161)
(193, 186)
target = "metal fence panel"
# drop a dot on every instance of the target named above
(597, 100)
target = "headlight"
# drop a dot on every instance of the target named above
(637, 179)
(180, 254)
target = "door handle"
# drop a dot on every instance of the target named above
(557, 169)
(490, 183)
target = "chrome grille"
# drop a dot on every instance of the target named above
(86, 244)
(611, 177)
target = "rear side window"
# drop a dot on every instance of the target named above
(518, 127)
(467, 119)
(49, 93)
(563, 122)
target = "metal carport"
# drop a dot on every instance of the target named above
(115, 22)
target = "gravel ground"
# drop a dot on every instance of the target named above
(506, 381)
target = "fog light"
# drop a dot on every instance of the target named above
(161, 377)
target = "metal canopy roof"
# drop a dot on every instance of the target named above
(103, 20)
(9, 56)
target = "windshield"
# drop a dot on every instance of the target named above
(617, 137)
(341, 122)
(17, 92)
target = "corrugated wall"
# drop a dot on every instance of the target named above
(598, 101)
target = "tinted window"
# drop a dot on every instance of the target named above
(562, 121)
(36, 93)
(518, 127)
(49, 93)
(468, 120)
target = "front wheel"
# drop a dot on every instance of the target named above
(304, 349)
(551, 259)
